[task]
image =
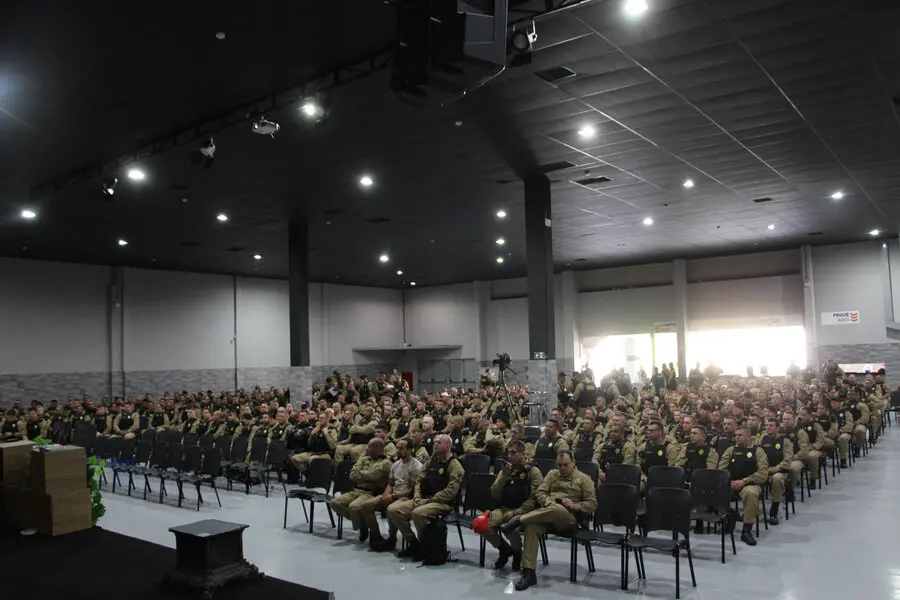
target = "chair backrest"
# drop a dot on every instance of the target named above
(622, 473)
(342, 481)
(895, 399)
(148, 435)
(475, 463)
(99, 449)
(128, 447)
(206, 441)
(319, 473)
(238, 449)
(668, 509)
(478, 493)
(159, 455)
(545, 465)
(193, 459)
(711, 487)
(616, 505)
(223, 443)
(670, 477)
(175, 456)
(532, 433)
(212, 462)
(277, 453)
(258, 449)
(142, 452)
(144, 422)
(190, 439)
(114, 448)
(590, 469)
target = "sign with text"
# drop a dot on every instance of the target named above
(841, 317)
(665, 327)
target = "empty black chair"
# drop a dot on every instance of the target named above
(190, 468)
(190, 439)
(590, 469)
(157, 463)
(665, 477)
(208, 474)
(711, 499)
(99, 448)
(254, 463)
(206, 441)
(237, 454)
(627, 474)
(478, 499)
(275, 462)
(668, 509)
(318, 481)
(475, 463)
(173, 463)
(342, 485)
(532, 433)
(149, 435)
(223, 443)
(143, 423)
(141, 458)
(544, 465)
(616, 506)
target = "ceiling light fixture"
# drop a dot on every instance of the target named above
(884, 245)
(384, 258)
(123, 242)
(399, 272)
(874, 233)
(635, 7)
(837, 195)
(688, 183)
(771, 227)
(311, 109)
(499, 260)
(366, 181)
(28, 214)
(648, 221)
(222, 217)
(136, 175)
(412, 283)
(501, 214)
(500, 241)
(266, 127)
(257, 257)
(587, 132)
(109, 186)
(521, 41)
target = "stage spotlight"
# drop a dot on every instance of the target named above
(266, 127)
(109, 186)
(520, 44)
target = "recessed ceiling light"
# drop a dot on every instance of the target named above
(220, 35)
(648, 221)
(501, 214)
(837, 195)
(500, 241)
(412, 283)
(636, 7)
(884, 245)
(874, 232)
(29, 214)
(311, 109)
(500, 260)
(222, 217)
(366, 181)
(136, 175)
(688, 183)
(399, 272)
(257, 257)
(123, 242)
(587, 132)
(771, 227)
(384, 258)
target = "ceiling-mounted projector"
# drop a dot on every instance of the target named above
(266, 127)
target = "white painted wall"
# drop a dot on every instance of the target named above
(178, 321)
(263, 332)
(507, 328)
(53, 317)
(625, 311)
(850, 277)
(723, 304)
(357, 317)
(443, 315)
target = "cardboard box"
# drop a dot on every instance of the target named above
(19, 510)
(63, 512)
(63, 469)
(14, 462)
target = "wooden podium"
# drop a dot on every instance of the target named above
(209, 554)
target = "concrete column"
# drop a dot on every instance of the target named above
(568, 356)
(482, 291)
(298, 291)
(810, 314)
(679, 279)
(539, 256)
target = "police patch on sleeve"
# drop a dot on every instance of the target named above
(700, 451)
(778, 446)
(749, 455)
(659, 452)
(441, 472)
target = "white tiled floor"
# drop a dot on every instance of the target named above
(841, 544)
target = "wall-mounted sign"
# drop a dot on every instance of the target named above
(841, 317)
(665, 327)
(539, 356)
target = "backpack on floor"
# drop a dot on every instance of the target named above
(434, 543)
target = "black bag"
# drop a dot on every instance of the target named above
(434, 543)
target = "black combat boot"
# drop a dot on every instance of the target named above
(698, 528)
(528, 579)
(363, 533)
(517, 561)
(747, 535)
(505, 553)
(412, 549)
(773, 514)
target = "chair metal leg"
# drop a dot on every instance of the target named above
(312, 514)
(330, 515)
(286, 498)
(305, 514)
(623, 566)
(459, 532)
(723, 545)
(677, 574)
(340, 527)
(690, 562)
(543, 546)
(589, 551)
(573, 560)
(216, 490)
(482, 551)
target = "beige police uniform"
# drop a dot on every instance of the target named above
(369, 477)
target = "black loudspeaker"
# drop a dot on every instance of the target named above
(446, 48)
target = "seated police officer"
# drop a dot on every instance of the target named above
(780, 456)
(516, 483)
(369, 476)
(549, 444)
(615, 450)
(435, 494)
(749, 471)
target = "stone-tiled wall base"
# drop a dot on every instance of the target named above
(888, 353)
(138, 383)
(566, 365)
(53, 386)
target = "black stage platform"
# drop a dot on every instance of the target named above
(98, 565)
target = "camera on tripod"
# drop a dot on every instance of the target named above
(502, 361)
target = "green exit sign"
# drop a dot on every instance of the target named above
(539, 356)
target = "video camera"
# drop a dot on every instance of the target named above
(502, 361)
